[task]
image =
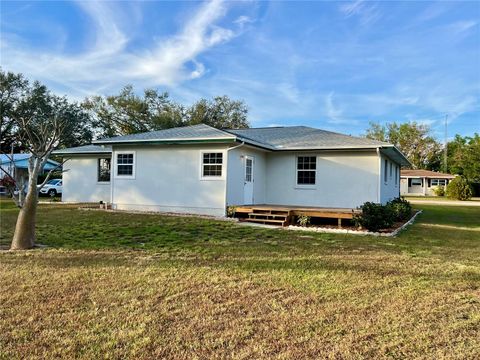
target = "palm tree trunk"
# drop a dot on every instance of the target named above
(24, 236)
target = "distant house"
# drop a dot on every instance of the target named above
(422, 182)
(203, 170)
(17, 166)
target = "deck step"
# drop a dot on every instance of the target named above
(270, 211)
(266, 221)
(261, 215)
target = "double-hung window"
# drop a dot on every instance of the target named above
(306, 170)
(103, 174)
(125, 164)
(212, 165)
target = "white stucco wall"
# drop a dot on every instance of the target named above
(389, 188)
(343, 179)
(80, 181)
(236, 175)
(168, 179)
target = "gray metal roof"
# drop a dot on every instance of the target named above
(303, 138)
(270, 138)
(187, 133)
(87, 149)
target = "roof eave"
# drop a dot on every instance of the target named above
(167, 141)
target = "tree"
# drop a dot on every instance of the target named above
(413, 139)
(128, 113)
(14, 88)
(222, 113)
(42, 120)
(464, 157)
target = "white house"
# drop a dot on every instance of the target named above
(200, 169)
(422, 182)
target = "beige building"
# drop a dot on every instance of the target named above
(422, 182)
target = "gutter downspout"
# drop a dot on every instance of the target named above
(379, 175)
(226, 172)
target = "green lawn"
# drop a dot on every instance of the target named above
(123, 285)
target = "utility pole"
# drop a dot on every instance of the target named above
(446, 146)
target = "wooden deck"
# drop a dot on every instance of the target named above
(285, 215)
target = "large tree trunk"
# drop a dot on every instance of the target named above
(24, 237)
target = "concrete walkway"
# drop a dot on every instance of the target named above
(473, 202)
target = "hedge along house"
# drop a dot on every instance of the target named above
(422, 182)
(202, 170)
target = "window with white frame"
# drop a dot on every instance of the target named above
(306, 170)
(212, 164)
(125, 164)
(103, 173)
(248, 169)
(438, 182)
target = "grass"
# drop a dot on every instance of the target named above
(117, 285)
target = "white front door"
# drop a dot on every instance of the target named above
(248, 181)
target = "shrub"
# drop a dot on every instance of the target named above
(304, 220)
(231, 211)
(459, 188)
(375, 216)
(401, 209)
(439, 190)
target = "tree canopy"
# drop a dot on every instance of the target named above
(464, 156)
(413, 139)
(21, 99)
(128, 113)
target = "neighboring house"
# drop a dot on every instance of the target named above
(422, 182)
(200, 169)
(17, 166)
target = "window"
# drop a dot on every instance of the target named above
(103, 174)
(396, 175)
(391, 169)
(306, 170)
(416, 182)
(248, 170)
(125, 164)
(438, 182)
(212, 164)
(385, 170)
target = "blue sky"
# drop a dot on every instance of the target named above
(331, 65)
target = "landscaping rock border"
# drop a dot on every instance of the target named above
(355, 232)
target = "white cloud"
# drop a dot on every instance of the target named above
(107, 62)
(332, 112)
(367, 12)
